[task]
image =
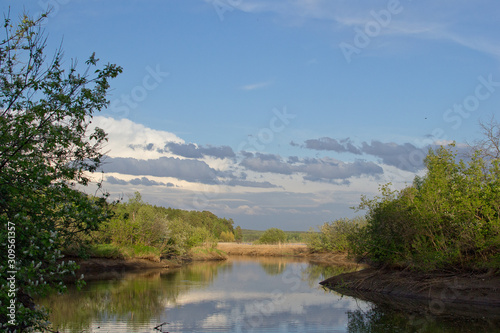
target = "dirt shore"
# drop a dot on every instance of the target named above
(371, 283)
(107, 268)
(112, 268)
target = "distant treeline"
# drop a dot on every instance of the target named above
(249, 236)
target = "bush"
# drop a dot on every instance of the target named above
(182, 237)
(450, 218)
(272, 236)
(336, 236)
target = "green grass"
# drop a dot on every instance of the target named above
(105, 251)
(112, 251)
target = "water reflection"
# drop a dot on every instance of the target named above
(135, 299)
(244, 295)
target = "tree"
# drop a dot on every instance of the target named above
(226, 236)
(272, 236)
(47, 152)
(238, 234)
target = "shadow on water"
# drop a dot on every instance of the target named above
(397, 314)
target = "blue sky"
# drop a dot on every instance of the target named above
(280, 113)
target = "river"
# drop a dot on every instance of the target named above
(244, 294)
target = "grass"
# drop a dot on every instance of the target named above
(201, 253)
(111, 251)
(105, 251)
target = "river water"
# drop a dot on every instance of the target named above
(246, 295)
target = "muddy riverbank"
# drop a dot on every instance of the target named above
(437, 287)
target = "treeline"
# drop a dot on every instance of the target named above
(447, 219)
(137, 228)
(273, 236)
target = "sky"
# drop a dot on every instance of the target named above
(279, 113)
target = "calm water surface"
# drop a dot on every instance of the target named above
(244, 295)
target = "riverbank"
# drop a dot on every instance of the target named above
(112, 267)
(438, 287)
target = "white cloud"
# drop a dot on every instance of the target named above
(273, 189)
(124, 134)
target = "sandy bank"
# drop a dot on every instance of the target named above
(435, 287)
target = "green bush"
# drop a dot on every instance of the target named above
(272, 236)
(336, 236)
(450, 218)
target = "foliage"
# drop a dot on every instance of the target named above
(46, 150)
(336, 236)
(227, 236)
(184, 236)
(205, 219)
(272, 236)
(138, 224)
(238, 234)
(448, 218)
(248, 235)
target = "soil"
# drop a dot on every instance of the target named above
(437, 287)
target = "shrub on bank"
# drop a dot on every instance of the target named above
(336, 236)
(272, 236)
(450, 218)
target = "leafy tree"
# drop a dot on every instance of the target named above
(46, 151)
(272, 236)
(238, 234)
(226, 236)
